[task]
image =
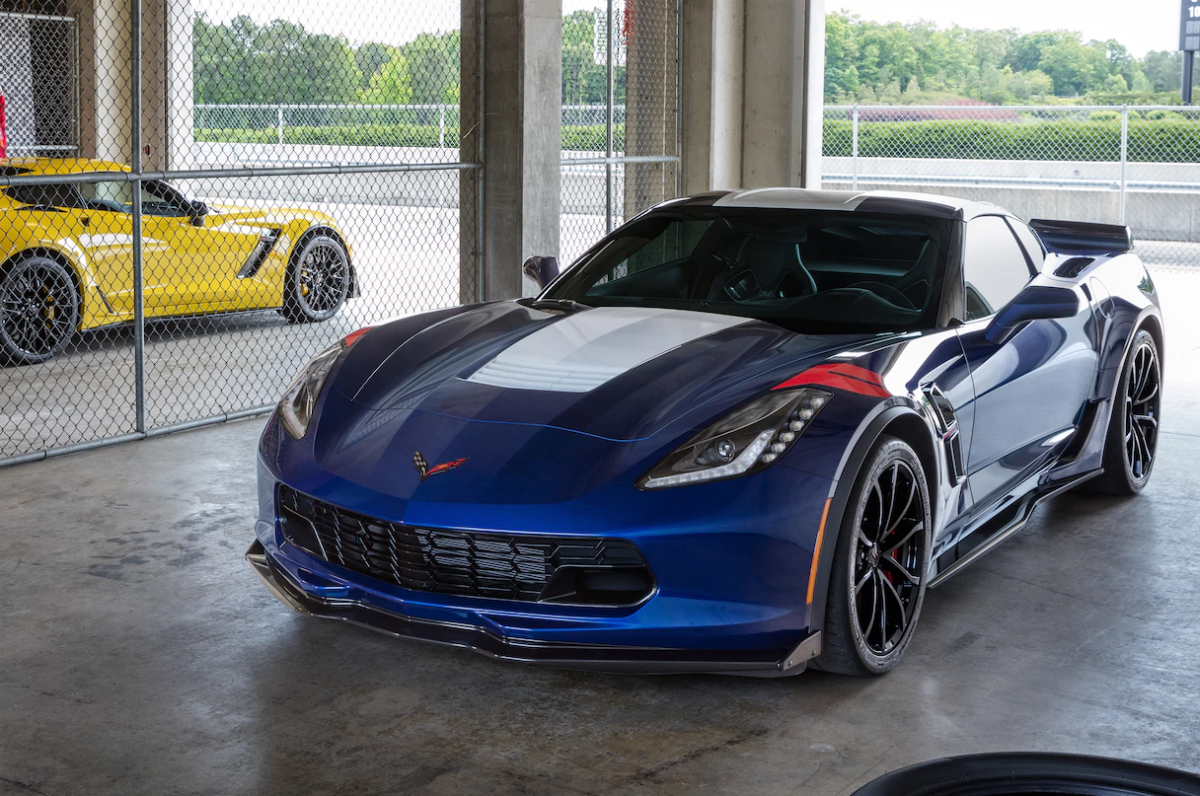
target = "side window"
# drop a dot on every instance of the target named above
(112, 197)
(1031, 243)
(117, 197)
(44, 195)
(994, 267)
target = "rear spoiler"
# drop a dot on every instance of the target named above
(1079, 236)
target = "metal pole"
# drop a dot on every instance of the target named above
(279, 122)
(135, 164)
(854, 147)
(480, 127)
(679, 95)
(1189, 63)
(442, 126)
(608, 126)
(1124, 158)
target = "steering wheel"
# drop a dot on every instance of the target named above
(887, 293)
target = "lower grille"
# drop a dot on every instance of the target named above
(557, 569)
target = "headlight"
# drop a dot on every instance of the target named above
(296, 408)
(750, 439)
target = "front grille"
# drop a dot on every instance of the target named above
(475, 564)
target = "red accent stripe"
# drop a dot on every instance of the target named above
(441, 468)
(352, 338)
(841, 376)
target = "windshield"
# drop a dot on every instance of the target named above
(810, 271)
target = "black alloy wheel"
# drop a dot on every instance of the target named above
(1132, 443)
(318, 282)
(39, 310)
(1014, 773)
(881, 565)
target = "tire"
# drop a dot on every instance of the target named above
(318, 281)
(39, 310)
(1009, 774)
(882, 515)
(1131, 443)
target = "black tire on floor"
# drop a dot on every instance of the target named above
(1014, 773)
(880, 565)
(1131, 443)
(39, 309)
(318, 281)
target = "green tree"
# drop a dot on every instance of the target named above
(391, 85)
(433, 63)
(370, 58)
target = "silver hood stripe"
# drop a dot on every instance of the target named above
(580, 352)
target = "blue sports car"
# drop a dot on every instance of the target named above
(743, 433)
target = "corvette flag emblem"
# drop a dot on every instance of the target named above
(427, 472)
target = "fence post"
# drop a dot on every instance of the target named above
(135, 165)
(1124, 158)
(442, 125)
(854, 148)
(279, 122)
(608, 126)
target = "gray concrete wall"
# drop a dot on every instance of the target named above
(751, 92)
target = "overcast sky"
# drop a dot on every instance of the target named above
(1142, 25)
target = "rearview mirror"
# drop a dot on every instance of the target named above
(542, 270)
(1034, 303)
(197, 210)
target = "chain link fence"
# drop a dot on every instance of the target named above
(620, 116)
(1117, 165)
(194, 205)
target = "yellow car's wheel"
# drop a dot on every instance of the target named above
(39, 309)
(318, 282)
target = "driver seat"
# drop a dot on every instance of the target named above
(774, 260)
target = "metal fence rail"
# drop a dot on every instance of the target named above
(1135, 165)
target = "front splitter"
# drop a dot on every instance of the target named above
(588, 657)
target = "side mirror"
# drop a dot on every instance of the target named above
(1034, 303)
(197, 210)
(542, 270)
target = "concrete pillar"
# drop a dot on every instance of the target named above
(753, 74)
(180, 96)
(106, 86)
(522, 138)
(105, 83)
(651, 86)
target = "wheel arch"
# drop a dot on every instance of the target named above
(309, 232)
(78, 274)
(897, 420)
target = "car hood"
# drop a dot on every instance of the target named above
(274, 216)
(526, 406)
(618, 373)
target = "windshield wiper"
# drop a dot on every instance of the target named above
(562, 305)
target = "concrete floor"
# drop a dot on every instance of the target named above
(139, 654)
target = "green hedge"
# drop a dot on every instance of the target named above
(350, 135)
(1173, 139)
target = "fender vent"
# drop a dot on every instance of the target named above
(946, 420)
(1073, 267)
(266, 242)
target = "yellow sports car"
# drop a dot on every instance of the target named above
(67, 254)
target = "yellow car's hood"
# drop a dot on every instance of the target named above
(272, 216)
